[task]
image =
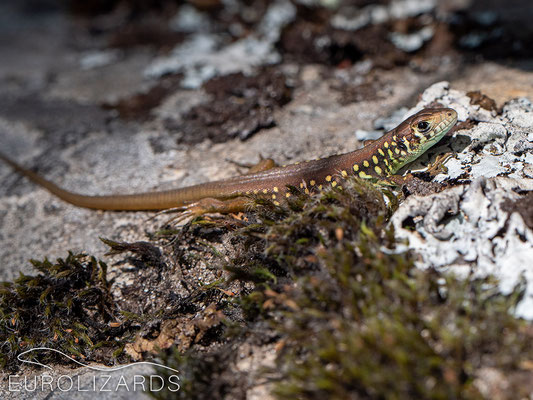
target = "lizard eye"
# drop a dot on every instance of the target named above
(422, 126)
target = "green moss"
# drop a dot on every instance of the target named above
(67, 306)
(206, 376)
(323, 281)
(373, 326)
(355, 317)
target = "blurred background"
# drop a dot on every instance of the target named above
(127, 56)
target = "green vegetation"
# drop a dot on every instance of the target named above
(322, 285)
(68, 307)
(350, 315)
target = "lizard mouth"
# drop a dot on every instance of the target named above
(446, 124)
(442, 127)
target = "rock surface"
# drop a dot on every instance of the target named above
(468, 228)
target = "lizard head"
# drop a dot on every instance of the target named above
(421, 131)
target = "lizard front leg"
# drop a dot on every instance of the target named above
(437, 166)
(264, 164)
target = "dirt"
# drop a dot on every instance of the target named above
(476, 97)
(420, 187)
(139, 106)
(239, 107)
(523, 206)
(151, 33)
(468, 124)
(308, 42)
(370, 89)
(495, 29)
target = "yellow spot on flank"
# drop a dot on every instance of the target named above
(334, 183)
(394, 144)
(390, 153)
(312, 182)
(248, 192)
(276, 189)
(381, 152)
(356, 167)
(395, 139)
(276, 203)
(363, 175)
(397, 151)
(306, 191)
(328, 178)
(386, 161)
(375, 159)
(319, 187)
(340, 187)
(287, 195)
(265, 191)
(344, 173)
(301, 185)
(378, 170)
(366, 164)
(274, 196)
(403, 153)
(256, 191)
(386, 144)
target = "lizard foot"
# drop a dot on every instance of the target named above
(264, 164)
(207, 205)
(437, 166)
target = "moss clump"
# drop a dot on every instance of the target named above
(206, 376)
(371, 326)
(350, 315)
(67, 307)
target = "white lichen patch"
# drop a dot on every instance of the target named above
(466, 228)
(412, 41)
(352, 18)
(204, 56)
(488, 167)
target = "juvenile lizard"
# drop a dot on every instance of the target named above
(381, 159)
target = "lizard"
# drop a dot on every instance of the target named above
(381, 159)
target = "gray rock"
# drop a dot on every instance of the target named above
(465, 229)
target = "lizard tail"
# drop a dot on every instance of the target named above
(134, 202)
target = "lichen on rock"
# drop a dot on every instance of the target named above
(466, 227)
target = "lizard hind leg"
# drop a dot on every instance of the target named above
(211, 205)
(208, 205)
